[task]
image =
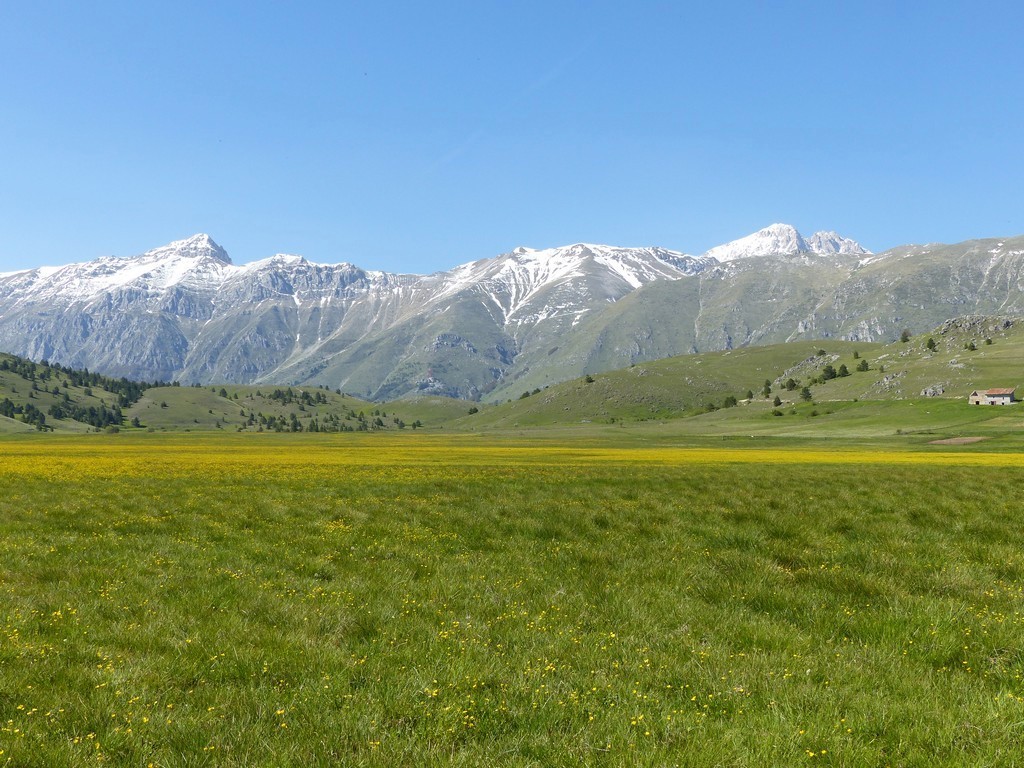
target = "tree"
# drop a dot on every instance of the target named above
(777, 402)
(862, 365)
(750, 394)
(971, 346)
(905, 336)
(828, 372)
(931, 345)
(856, 354)
(729, 402)
(805, 394)
(843, 370)
(791, 385)
(767, 388)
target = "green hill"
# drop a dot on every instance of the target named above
(244, 408)
(38, 397)
(858, 391)
(752, 390)
(41, 397)
(663, 389)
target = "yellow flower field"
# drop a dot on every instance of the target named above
(422, 600)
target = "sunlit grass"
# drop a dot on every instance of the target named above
(425, 600)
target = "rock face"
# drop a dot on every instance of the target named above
(490, 328)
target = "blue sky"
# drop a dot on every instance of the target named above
(416, 136)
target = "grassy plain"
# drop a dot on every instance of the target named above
(423, 600)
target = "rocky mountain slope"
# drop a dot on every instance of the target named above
(491, 328)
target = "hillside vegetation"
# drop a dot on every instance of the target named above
(44, 398)
(783, 389)
(752, 387)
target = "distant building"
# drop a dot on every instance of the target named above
(992, 397)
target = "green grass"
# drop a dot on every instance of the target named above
(21, 392)
(366, 600)
(671, 389)
(198, 409)
(681, 387)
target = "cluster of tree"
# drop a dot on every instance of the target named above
(94, 415)
(128, 392)
(330, 422)
(288, 396)
(27, 413)
(25, 368)
(829, 372)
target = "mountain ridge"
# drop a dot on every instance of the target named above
(483, 329)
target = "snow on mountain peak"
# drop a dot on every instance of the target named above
(194, 261)
(833, 242)
(197, 246)
(770, 241)
(277, 261)
(784, 240)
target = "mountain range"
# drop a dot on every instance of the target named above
(492, 328)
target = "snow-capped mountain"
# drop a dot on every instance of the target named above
(489, 328)
(784, 240)
(833, 242)
(196, 262)
(527, 284)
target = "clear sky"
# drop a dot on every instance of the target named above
(414, 136)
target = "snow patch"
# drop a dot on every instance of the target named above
(783, 240)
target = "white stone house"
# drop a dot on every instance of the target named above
(999, 396)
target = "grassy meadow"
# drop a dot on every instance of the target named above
(418, 599)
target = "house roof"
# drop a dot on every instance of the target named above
(1001, 391)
